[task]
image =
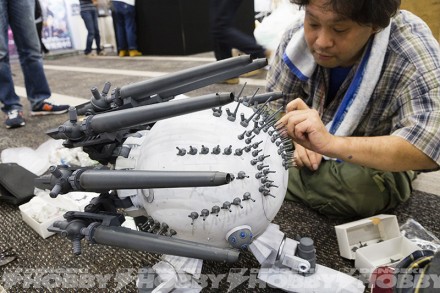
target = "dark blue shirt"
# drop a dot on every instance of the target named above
(337, 77)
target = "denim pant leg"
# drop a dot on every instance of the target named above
(89, 20)
(121, 35)
(130, 26)
(8, 97)
(21, 21)
(96, 30)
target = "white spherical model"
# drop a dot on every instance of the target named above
(222, 216)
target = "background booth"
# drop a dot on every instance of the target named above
(181, 27)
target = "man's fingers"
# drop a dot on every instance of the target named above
(297, 160)
(297, 104)
(315, 160)
(303, 157)
(297, 125)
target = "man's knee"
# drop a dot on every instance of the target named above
(347, 190)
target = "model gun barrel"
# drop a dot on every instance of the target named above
(164, 88)
(141, 241)
(106, 230)
(63, 180)
(112, 121)
(189, 78)
(104, 180)
(262, 98)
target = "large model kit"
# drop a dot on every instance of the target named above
(208, 180)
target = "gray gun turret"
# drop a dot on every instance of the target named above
(63, 180)
(164, 88)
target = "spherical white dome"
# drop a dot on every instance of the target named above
(258, 159)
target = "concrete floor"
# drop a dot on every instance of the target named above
(71, 75)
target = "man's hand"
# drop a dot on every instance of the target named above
(305, 127)
(303, 157)
(388, 153)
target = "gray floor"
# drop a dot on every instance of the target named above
(71, 75)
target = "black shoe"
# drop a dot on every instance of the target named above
(14, 119)
(48, 109)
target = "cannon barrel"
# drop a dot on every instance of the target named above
(112, 121)
(105, 229)
(206, 79)
(141, 241)
(166, 87)
(104, 180)
(262, 98)
(157, 85)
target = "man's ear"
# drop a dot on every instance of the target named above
(376, 29)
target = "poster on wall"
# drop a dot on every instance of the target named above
(56, 34)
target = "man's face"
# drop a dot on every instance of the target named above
(333, 40)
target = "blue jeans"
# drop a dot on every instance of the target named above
(90, 18)
(19, 15)
(125, 20)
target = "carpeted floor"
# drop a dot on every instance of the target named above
(45, 265)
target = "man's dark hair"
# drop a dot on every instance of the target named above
(376, 13)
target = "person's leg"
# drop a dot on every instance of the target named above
(227, 34)
(130, 27)
(222, 50)
(28, 47)
(88, 21)
(120, 26)
(8, 97)
(344, 190)
(97, 36)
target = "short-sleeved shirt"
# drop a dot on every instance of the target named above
(406, 99)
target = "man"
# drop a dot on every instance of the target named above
(362, 84)
(89, 14)
(19, 15)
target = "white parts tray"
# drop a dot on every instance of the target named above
(363, 233)
(373, 242)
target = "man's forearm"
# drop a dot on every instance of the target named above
(388, 153)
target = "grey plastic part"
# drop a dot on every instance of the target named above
(210, 79)
(262, 98)
(306, 250)
(175, 80)
(141, 241)
(240, 238)
(104, 180)
(215, 210)
(112, 121)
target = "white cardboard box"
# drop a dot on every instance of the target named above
(373, 242)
